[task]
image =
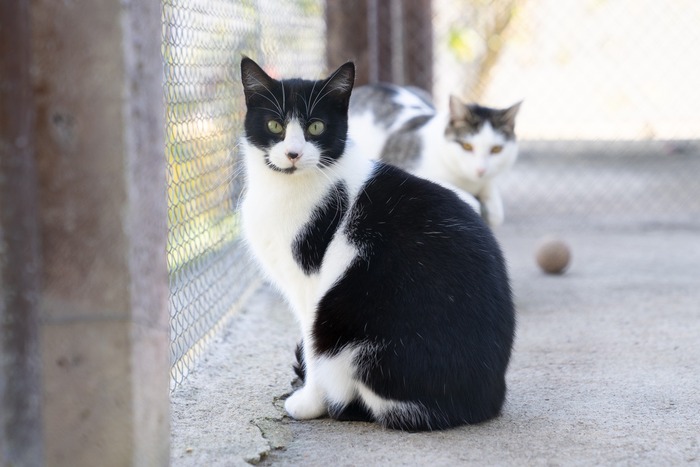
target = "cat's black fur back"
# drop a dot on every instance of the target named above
(431, 292)
(430, 296)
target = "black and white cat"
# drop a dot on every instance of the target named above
(466, 148)
(400, 289)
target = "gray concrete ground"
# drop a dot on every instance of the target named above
(605, 370)
(606, 364)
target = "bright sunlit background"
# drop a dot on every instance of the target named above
(586, 69)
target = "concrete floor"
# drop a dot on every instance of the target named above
(605, 370)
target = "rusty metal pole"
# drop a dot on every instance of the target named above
(390, 41)
(346, 24)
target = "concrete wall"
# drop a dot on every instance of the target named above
(94, 210)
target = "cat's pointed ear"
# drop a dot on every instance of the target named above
(508, 115)
(341, 82)
(458, 110)
(254, 78)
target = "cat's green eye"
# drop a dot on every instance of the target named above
(275, 127)
(316, 128)
(467, 147)
(496, 149)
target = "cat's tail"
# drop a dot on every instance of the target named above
(300, 365)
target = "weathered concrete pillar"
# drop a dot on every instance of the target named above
(20, 367)
(100, 215)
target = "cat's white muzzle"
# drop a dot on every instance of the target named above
(294, 152)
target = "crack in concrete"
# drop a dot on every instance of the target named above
(276, 432)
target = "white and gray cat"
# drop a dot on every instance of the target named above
(400, 289)
(466, 148)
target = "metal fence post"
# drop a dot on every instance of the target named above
(390, 41)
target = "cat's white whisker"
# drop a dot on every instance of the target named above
(311, 96)
(325, 84)
(306, 103)
(284, 107)
(276, 112)
(275, 102)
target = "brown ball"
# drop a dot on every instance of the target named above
(553, 255)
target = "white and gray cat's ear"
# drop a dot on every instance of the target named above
(458, 111)
(508, 115)
(254, 78)
(341, 81)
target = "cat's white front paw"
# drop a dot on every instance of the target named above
(494, 213)
(496, 219)
(305, 403)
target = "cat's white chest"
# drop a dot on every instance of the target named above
(276, 211)
(272, 219)
(270, 242)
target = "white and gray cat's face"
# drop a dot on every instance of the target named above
(481, 140)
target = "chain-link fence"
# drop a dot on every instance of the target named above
(608, 130)
(203, 42)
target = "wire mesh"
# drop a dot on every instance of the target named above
(608, 130)
(203, 42)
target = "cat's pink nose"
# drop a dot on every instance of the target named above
(481, 171)
(293, 156)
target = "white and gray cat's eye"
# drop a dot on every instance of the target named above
(466, 146)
